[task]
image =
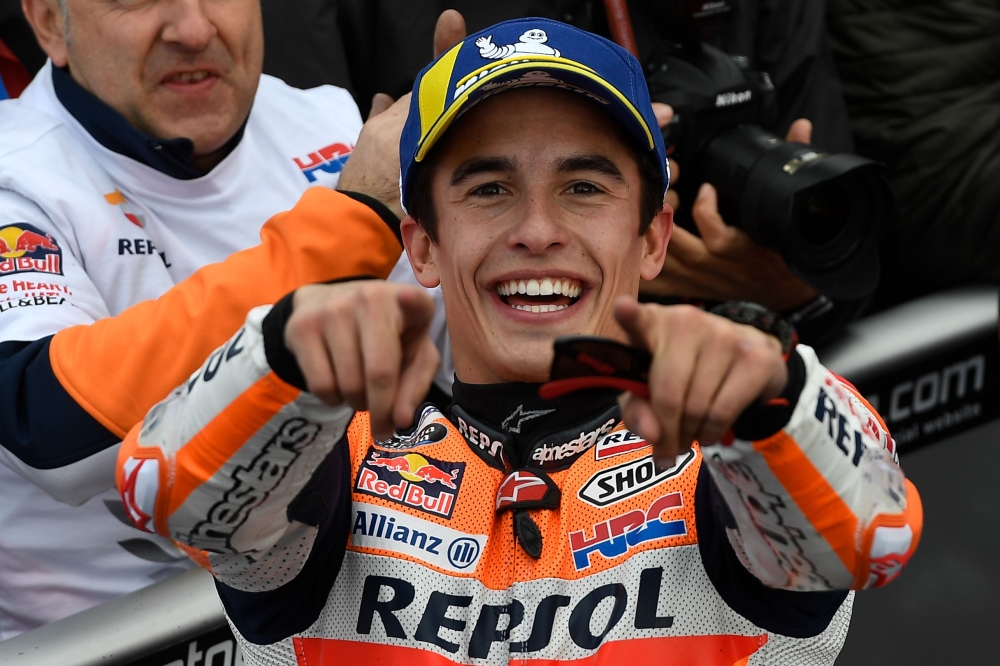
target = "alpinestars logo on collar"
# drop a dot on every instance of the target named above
(519, 416)
(527, 489)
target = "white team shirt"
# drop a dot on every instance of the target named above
(85, 233)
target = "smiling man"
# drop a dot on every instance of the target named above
(586, 528)
(137, 172)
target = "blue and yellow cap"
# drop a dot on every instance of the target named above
(526, 52)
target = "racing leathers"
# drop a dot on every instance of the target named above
(511, 528)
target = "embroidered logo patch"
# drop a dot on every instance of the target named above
(330, 159)
(615, 537)
(27, 249)
(613, 485)
(411, 479)
(379, 527)
(618, 442)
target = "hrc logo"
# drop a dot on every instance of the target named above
(330, 160)
(27, 249)
(618, 535)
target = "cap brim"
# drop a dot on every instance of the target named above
(540, 72)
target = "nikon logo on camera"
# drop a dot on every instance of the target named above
(730, 98)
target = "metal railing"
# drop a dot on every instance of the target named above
(932, 366)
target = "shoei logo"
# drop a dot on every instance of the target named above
(27, 249)
(440, 546)
(412, 480)
(731, 98)
(329, 160)
(613, 485)
(531, 42)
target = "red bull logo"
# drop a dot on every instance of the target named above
(330, 159)
(27, 249)
(412, 479)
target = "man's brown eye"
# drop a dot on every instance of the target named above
(489, 190)
(584, 188)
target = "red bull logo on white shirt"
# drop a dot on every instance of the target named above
(27, 249)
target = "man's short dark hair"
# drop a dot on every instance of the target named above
(422, 208)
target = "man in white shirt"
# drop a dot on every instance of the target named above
(146, 151)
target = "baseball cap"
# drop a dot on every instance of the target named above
(525, 52)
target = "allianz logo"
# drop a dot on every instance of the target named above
(381, 528)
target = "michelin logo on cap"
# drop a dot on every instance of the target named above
(532, 41)
(526, 52)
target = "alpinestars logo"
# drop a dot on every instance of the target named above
(558, 452)
(520, 486)
(513, 422)
(142, 480)
(251, 486)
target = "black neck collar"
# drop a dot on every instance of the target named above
(173, 157)
(511, 427)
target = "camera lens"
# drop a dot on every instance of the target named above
(824, 212)
(820, 212)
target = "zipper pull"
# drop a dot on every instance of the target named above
(528, 534)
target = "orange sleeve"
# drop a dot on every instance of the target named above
(119, 367)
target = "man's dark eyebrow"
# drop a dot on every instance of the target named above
(476, 165)
(597, 163)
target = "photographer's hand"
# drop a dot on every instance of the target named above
(724, 263)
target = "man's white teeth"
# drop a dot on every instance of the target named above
(540, 308)
(190, 77)
(543, 287)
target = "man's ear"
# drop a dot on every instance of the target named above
(655, 243)
(421, 251)
(46, 19)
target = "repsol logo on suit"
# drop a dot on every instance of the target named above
(385, 596)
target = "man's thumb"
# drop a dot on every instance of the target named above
(450, 30)
(380, 102)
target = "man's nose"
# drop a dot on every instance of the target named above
(188, 25)
(540, 228)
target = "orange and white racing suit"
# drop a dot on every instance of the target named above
(514, 530)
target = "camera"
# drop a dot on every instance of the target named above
(821, 212)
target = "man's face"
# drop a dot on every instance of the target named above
(173, 68)
(537, 198)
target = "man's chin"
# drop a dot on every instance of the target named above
(521, 358)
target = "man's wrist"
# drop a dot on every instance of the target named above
(753, 314)
(761, 420)
(279, 358)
